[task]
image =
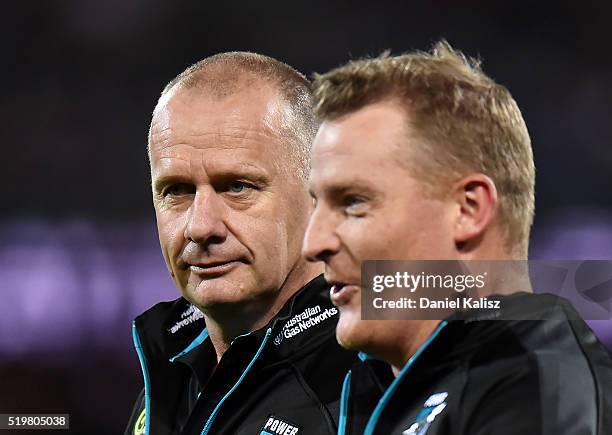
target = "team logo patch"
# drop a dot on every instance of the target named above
(277, 426)
(139, 427)
(431, 409)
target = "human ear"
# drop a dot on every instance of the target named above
(476, 197)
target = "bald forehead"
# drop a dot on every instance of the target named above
(237, 78)
(249, 107)
(219, 82)
(217, 89)
(252, 118)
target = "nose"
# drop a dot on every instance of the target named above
(320, 241)
(205, 223)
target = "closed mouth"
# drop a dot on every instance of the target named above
(213, 268)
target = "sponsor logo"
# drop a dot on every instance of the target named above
(139, 427)
(277, 426)
(299, 323)
(188, 316)
(431, 409)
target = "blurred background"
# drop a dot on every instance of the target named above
(79, 255)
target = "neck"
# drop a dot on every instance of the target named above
(507, 268)
(491, 248)
(398, 356)
(227, 322)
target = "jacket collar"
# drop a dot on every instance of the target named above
(173, 329)
(469, 331)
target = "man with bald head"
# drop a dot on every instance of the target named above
(249, 348)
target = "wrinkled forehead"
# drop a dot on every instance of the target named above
(189, 108)
(251, 120)
(201, 132)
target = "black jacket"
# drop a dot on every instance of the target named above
(490, 377)
(284, 379)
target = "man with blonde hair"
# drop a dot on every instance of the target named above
(423, 157)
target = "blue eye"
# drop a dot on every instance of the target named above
(178, 190)
(353, 201)
(354, 205)
(237, 187)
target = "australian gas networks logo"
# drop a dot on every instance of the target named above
(308, 318)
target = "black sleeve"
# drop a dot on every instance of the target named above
(536, 395)
(136, 411)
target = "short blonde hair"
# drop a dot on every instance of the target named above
(463, 121)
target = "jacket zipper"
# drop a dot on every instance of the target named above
(213, 415)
